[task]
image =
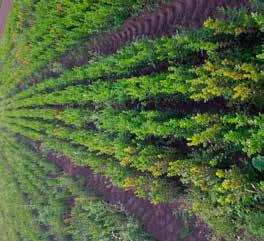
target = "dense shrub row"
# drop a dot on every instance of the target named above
(40, 31)
(46, 204)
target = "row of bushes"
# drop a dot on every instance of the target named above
(16, 222)
(54, 205)
(40, 31)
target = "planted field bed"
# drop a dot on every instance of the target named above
(136, 120)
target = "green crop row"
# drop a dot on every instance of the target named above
(231, 131)
(240, 129)
(141, 55)
(42, 31)
(98, 221)
(51, 207)
(72, 116)
(16, 222)
(180, 49)
(137, 155)
(36, 183)
(237, 80)
(99, 143)
(226, 185)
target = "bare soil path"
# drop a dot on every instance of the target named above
(4, 12)
(165, 21)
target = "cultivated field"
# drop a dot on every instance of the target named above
(132, 120)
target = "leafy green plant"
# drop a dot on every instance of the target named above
(258, 163)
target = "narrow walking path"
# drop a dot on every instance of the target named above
(4, 12)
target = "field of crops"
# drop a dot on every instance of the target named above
(132, 120)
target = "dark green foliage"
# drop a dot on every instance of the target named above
(94, 220)
(258, 163)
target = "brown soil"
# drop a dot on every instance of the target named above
(165, 221)
(165, 21)
(162, 22)
(4, 12)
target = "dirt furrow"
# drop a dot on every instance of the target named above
(162, 22)
(165, 221)
(4, 12)
(165, 21)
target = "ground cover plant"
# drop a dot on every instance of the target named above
(174, 117)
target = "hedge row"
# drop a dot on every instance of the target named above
(53, 205)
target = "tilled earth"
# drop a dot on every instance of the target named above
(4, 11)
